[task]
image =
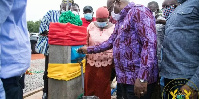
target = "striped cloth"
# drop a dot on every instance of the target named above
(42, 43)
(51, 16)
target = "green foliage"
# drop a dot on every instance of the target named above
(71, 18)
(33, 27)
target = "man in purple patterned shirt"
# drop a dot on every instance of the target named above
(134, 49)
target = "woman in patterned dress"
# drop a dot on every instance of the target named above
(98, 68)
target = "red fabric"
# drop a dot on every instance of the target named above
(97, 81)
(67, 34)
(86, 23)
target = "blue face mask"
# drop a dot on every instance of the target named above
(88, 16)
(102, 24)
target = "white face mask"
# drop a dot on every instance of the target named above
(62, 11)
(154, 14)
(115, 16)
(74, 12)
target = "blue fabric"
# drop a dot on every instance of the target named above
(102, 24)
(50, 16)
(180, 53)
(113, 90)
(162, 81)
(15, 46)
(2, 92)
(42, 43)
(74, 55)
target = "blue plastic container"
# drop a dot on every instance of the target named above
(75, 55)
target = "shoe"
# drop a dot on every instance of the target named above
(44, 96)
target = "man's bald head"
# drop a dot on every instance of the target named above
(110, 5)
(153, 6)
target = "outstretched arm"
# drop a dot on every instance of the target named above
(105, 45)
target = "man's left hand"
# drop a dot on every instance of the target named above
(187, 88)
(140, 88)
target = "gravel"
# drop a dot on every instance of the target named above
(35, 80)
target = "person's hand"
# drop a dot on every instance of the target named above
(189, 92)
(140, 88)
(45, 33)
(82, 50)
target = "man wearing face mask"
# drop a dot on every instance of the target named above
(168, 6)
(134, 49)
(51, 16)
(74, 8)
(160, 28)
(88, 16)
(181, 47)
(154, 7)
(110, 9)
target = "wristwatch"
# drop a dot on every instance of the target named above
(143, 81)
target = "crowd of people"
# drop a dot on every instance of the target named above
(142, 46)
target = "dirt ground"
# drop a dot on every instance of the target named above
(37, 56)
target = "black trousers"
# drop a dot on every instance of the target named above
(125, 91)
(33, 43)
(45, 78)
(113, 74)
(14, 87)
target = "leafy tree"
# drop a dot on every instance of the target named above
(33, 27)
